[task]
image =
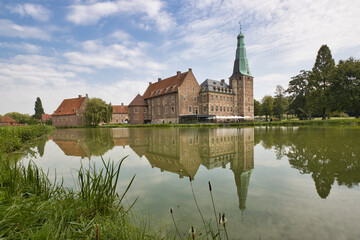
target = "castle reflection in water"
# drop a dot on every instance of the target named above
(177, 150)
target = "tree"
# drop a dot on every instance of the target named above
(320, 94)
(267, 105)
(20, 118)
(299, 91)
(257, 106)
(97, 111)
(39, 110)
(345, 86)
(280, 102)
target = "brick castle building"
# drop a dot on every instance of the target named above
(180, 97)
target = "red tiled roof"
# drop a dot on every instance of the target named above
(69, 106)
(45, 117)
(166, 86)
(120, 109)
(138, 101)
(7, 120)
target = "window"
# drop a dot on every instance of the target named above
(184, 98)
(190, 109)
(195, 99)
(166, 110)
(193, 89)
(145, 110)
(145, 117)
(249, 109)
(204, 98)
(212, 97)
(212, 108)
(230, 99)
(228, 109)
(204, 109)
(158, 101)
(172, 109)
(227, 98)
(172, 98)
(196, 110)
(220, 98)
(248, 99)
(136, 117)
(159, 111)
(217, 108)
(216, 97)
(220, 108)
(135, 110)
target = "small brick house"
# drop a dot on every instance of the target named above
(138, 110)
(70, 112)
(7, 121)
(120, 114)
(45, 117)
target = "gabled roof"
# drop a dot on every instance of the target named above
(138, 101)
(45, 117)
(120, 109)
(7, 120)
(166, 86)
(69, 106)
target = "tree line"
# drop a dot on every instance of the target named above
(327, 90)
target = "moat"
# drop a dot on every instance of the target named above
(272, 183)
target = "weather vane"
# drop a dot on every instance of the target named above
(240, 26)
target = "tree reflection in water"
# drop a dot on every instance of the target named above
(328, 154)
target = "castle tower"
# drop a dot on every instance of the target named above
(242, 82)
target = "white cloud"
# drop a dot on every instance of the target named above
(35, 11)
(27, 47)
(10, 29)
(152, 10)
(97, 55)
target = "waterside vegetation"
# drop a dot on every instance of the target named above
(34, 207)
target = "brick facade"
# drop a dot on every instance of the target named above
(180, 95)
(70, 112)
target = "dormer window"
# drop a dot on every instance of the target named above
(171, 88)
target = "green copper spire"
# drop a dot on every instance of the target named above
(241, 66)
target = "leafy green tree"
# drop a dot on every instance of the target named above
(257, 106)
(267, 106)
(97, 111)
(345, 86)
(280, 102)
(39, 110)
(19, 117)
(320, 81)
(299, 91)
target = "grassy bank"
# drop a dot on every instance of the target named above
(12, 138)
(293, 122)
(34, 207)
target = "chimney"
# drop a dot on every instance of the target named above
(150, 83)
(79, 96)
(122, 104)
(190, 69)
(159, 79)
(178, 73)
(223, 80)
(86, 96)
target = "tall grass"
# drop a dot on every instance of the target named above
(34, 207)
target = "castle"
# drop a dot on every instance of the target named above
(180, 98)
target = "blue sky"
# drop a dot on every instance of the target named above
(112, 49)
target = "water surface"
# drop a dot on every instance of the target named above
(272, 183)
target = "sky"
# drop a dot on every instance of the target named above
(112, 49)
